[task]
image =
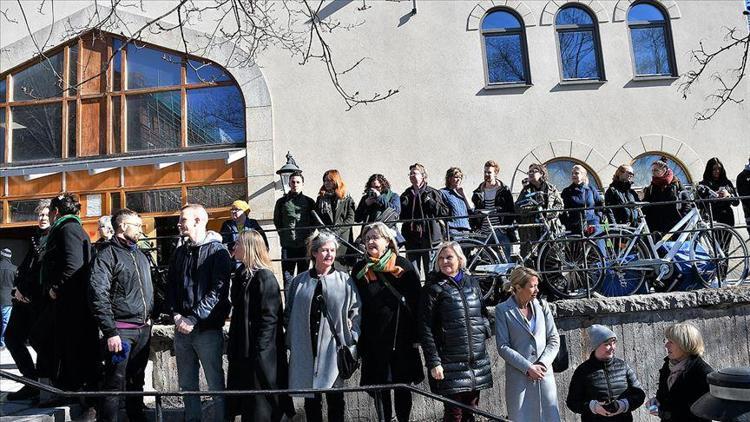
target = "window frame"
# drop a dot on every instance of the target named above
(500, 32)
(668, 41)
(657, 154)
(591, 172)
(572, 28)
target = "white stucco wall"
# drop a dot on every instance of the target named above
(442, 115)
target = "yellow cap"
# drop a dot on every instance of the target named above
(241, 205)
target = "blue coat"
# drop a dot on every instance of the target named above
(580, 196)
(520, 347)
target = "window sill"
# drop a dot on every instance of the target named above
(654, 78)
(508, 86)
(583, 82)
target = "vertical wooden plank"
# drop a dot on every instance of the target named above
(108, 91)
(123, 100)
(66, 68)
(183, 104)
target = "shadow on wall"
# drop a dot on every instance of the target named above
(516, 90)
(647, 83)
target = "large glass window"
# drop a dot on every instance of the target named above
(163, 200)
(216, 196)
(578, 44)
(560, 169)
(23, 210)
(642, 168)
(651, 41)
(143, 116)
(504, 44)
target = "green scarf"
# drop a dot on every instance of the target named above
(44, 247)
(384, 264)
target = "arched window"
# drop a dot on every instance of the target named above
(73, 104)
(559, 169)
(578, 44)
(651, 41)
(504, 46)
(642, 168)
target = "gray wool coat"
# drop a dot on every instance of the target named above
(527, 401)
(342, 300)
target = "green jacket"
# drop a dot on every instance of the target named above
(293, 211)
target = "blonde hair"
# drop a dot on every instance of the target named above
(518, 279)
(255, 256)
(584, 172)
(620, 170)
(687, 337)
(453, 171)
(384, 232)
(456, 249)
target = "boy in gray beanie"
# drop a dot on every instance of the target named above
(604, 388)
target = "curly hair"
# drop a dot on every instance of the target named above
(380, 178)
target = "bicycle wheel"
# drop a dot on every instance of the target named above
(618, 251)
(477, 253)
(571, 266)
(719, 256)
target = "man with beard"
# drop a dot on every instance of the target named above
(121, 297)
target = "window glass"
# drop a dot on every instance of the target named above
(114, 202)
(73, 70)
(216, 196)
(164, 200)
(154, 121)
(215, 116)
(505, 61)
(578, 55)
(148, 67)
(23, 210)
(642, 169)
(500, 19)
(37, 132)
(201, 72)
(645, 12)
(3, 90)
(71, 129)
(116, 64)
(2, 136)
(116, 126)
(573, 16)
(650, 51)
(42, 80)
(558, 173)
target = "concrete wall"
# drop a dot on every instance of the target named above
(639, 321)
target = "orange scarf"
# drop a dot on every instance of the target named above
(384, 264)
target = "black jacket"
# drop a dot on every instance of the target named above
(120, 288)
(7, 280)
(662, 218)
(198, 283)
(230, 231)
(454, 327)
(674, 403)
(65, 261)
(743, 189)
(429, 204)
(589, 382)
(503, 204)
(335, 212)
(620, 193)
(388, 326)
(721, 210)
(28, 281)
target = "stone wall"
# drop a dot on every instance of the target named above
(639, 321)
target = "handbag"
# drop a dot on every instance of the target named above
(347, 358)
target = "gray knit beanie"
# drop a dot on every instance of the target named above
(600, 334)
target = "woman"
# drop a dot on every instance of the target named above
(455, 199)
(313, 298)
(379, 203)
(257, 358)
(715, 178)
(389, 288)
(238, 223)
(335, 208)
(604, 388)
(454, 328)
(527, 340)
(580, 194)
(550, 200)
(682, 379)
(620, 193)
(664, 187)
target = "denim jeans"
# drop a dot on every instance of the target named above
(4, 323)
(127, 375)
(204, 348)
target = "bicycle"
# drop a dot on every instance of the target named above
(716, 254)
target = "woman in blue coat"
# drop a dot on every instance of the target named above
(580, 195)
(527, 340)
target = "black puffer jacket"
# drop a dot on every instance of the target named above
(602, 381)
(674, 403)
(198, 283)
(120, 288)
(454, 328)
(621, 193)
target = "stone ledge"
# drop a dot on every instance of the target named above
(651, 302)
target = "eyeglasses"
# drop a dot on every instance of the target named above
(373, 237)
(134, 225)
(533, 171)
(630, 173)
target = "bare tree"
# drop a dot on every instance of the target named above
(727, 80)
(244, 27)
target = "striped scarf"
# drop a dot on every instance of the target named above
(384, 264)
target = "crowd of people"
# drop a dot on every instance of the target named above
(87, 309)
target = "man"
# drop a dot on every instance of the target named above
(65, 257)
(29, 303)
(291, 211)
(418, 202)
(198, 298)
(7, 279)
(743, 189)
(493, 195)
(121, 297)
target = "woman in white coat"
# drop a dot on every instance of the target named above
(527, 340)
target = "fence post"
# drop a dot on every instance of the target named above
(157, 409)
